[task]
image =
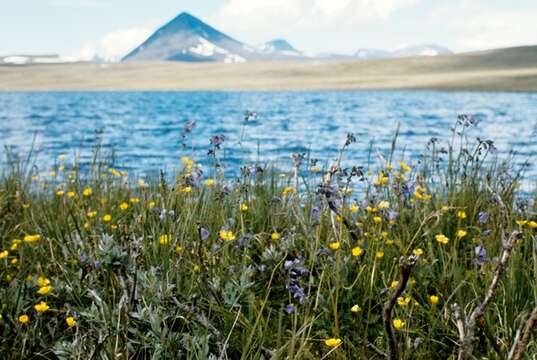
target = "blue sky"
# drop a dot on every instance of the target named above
(83, 28)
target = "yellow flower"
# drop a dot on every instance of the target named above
(354, 208)
(226, 235)
(14, 261)
(41, 307)
(332, 342)
(383, 205)
(32, 238)
(379, 254)
(44, 290)
(164, 239)
(461, 233)
(357, 251)
(107, 218)
(404, 167)
(43, 281)
(187, 161)
(315, 169)
(209, 182)
(244, 207)
(134, 200)
(151, 204)
(114, 172)
(461, 214)
(196, 268)
(288, 190)
(123, 206)
(434, 299)
(334, 245)
(442, 239)
(60, 193)
(356, 309)
(186, 189)
(52, 174)
(403, 301)
(87, 192)
(532, 224)
(4, 254)
(389, 242)
(394, 284)
(275, 236)
(71, 194)
(92, 214)
(377, 219)
(113, 226)
(417, 252)
(70, 321)
(522, 222)
(23, 319)
(179, 249)
(398, 324)
(381, 180)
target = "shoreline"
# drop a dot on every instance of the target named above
(506, 70)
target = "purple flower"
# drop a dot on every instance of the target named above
(483, 217)
(189, 126)
(481, 255)
(217, 140)
(204, 233)
(290, 308)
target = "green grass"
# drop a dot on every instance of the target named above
(145, 285)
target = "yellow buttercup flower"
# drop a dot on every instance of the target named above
(522, 222)
(332, 342)
(377, 219)
(442, 239)
(357, 251)
(417, 252)
(4, 254)
(41, 307)
(394, 284)
(32, 238)
(288, 190)
(70, 321)
(134, 200)
(23, 319)
(379, 254)
(244, 207)
(461, 233)
(179, 249)
(398, 324)
(461, 214)
(43, 281)
(532, 224)
(434, 299)
(60, 193)
(92, 214)
(404, 167)
(383, 205)
(164, 239)
(87, 192)
(107, 218)
(209, 182)
(381, 180)
(275, 236)
(71, 194)
(356, 309)
(44, 290)
(123, 206)
(186, 189)
(334, 245)
(226, 235)
(151, 205)
(403, 301)
(354, 208)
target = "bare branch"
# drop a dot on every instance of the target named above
(520, 345)
(405, 268)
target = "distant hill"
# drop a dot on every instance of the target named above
(407, 51)
(278, 48)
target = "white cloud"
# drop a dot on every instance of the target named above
(489, 29)
(114, 45)
(244, 15)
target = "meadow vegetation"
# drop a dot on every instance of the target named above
(429, 258)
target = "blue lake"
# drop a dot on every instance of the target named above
(145, 129)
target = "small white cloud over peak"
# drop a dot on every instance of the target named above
(114, 45)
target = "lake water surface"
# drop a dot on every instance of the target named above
(145, 128)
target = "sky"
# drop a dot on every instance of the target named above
(111, 28)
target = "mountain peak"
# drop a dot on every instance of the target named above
(278, 46)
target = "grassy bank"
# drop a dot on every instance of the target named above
(511, 69)
(419, 259)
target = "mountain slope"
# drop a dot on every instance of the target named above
(186, 38)
(278, 47)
